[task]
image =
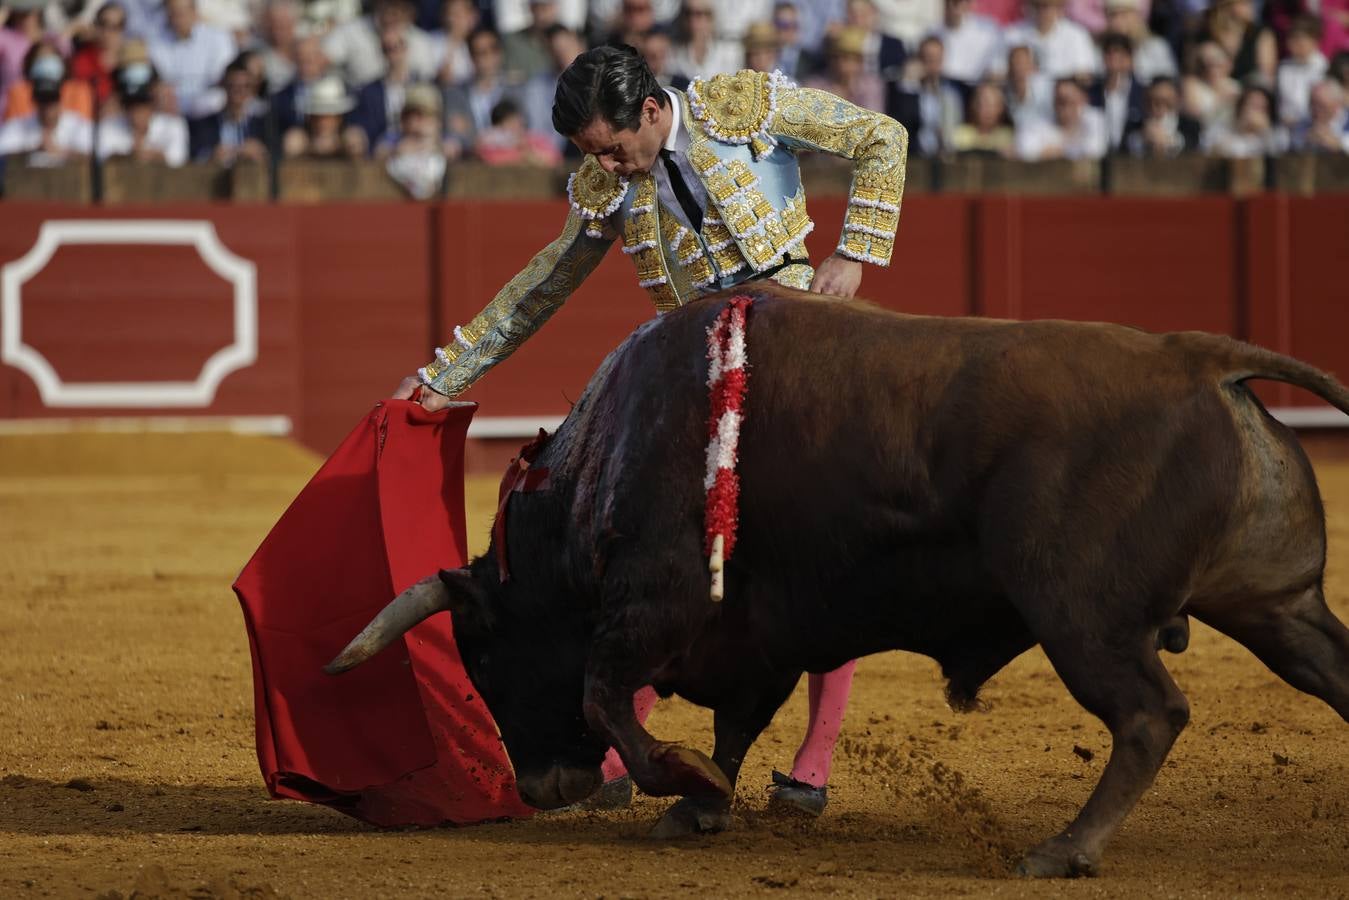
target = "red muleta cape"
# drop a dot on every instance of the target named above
(402, 739)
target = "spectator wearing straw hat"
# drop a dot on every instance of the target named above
(239, 130)
(415, 152)
(310, 66)
(761, 47)
(139, 132)
(50, 134)
(845, 74)
(325, 135)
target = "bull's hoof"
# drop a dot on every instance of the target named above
(692, 816)
(1056, 858)
(792, 797)
(684, 771)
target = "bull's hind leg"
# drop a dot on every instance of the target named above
(1118, 678)
(1296, 635)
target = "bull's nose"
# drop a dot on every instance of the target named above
(578, 784)
(541, 791)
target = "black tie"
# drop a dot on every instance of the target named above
(682, 192)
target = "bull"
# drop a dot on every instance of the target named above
(961, 488)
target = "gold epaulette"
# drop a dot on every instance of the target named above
(595, 194)
(739, 108)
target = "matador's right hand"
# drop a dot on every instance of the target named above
(411, 388)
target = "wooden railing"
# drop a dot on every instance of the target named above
(306, 181)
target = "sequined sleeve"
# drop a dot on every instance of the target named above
(524, 304)
(809, 119)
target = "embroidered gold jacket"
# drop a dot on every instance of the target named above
(745, 131)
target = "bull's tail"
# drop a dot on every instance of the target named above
(1238, 361)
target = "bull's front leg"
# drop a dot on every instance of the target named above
(658, 768)
(737, 723)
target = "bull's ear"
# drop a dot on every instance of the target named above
(468, 601)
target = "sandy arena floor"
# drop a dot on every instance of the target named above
(128, 762)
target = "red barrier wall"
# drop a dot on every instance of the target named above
(350, 298)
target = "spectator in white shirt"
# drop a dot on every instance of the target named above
(1077, 132)
(1030, 92)
(907, 20)
(1062, 47)
(1152, 55)
(701, 54)
(50, 135)
(1251, 133)
(734, 19)
(455, 62)
(191, 57)
(1304, 67)
(354, 48)
(929, 105)
(139, 132)
(1210, 95)
(1119, 94)
(1165, 131)
(973, 43)
(1326, 129)
(279, 41)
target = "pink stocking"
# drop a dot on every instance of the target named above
(642, 702)
(828, 702)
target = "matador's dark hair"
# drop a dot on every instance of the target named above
(609, 83)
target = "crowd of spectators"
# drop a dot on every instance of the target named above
(422, 83)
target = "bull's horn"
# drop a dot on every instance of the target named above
(425, 598)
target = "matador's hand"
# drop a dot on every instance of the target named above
(838, 276)
(429, 399)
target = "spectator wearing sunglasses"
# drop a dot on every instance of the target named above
(95, 62)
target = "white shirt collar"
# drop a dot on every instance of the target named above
(672, 139)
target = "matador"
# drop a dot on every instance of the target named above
(704, 190)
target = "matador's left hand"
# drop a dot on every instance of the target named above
(838, 276)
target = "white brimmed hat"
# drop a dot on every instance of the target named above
(327, 97)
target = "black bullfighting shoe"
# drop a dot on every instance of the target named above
(786, 794)
(616, 794)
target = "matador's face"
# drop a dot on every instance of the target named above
(629, 150)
